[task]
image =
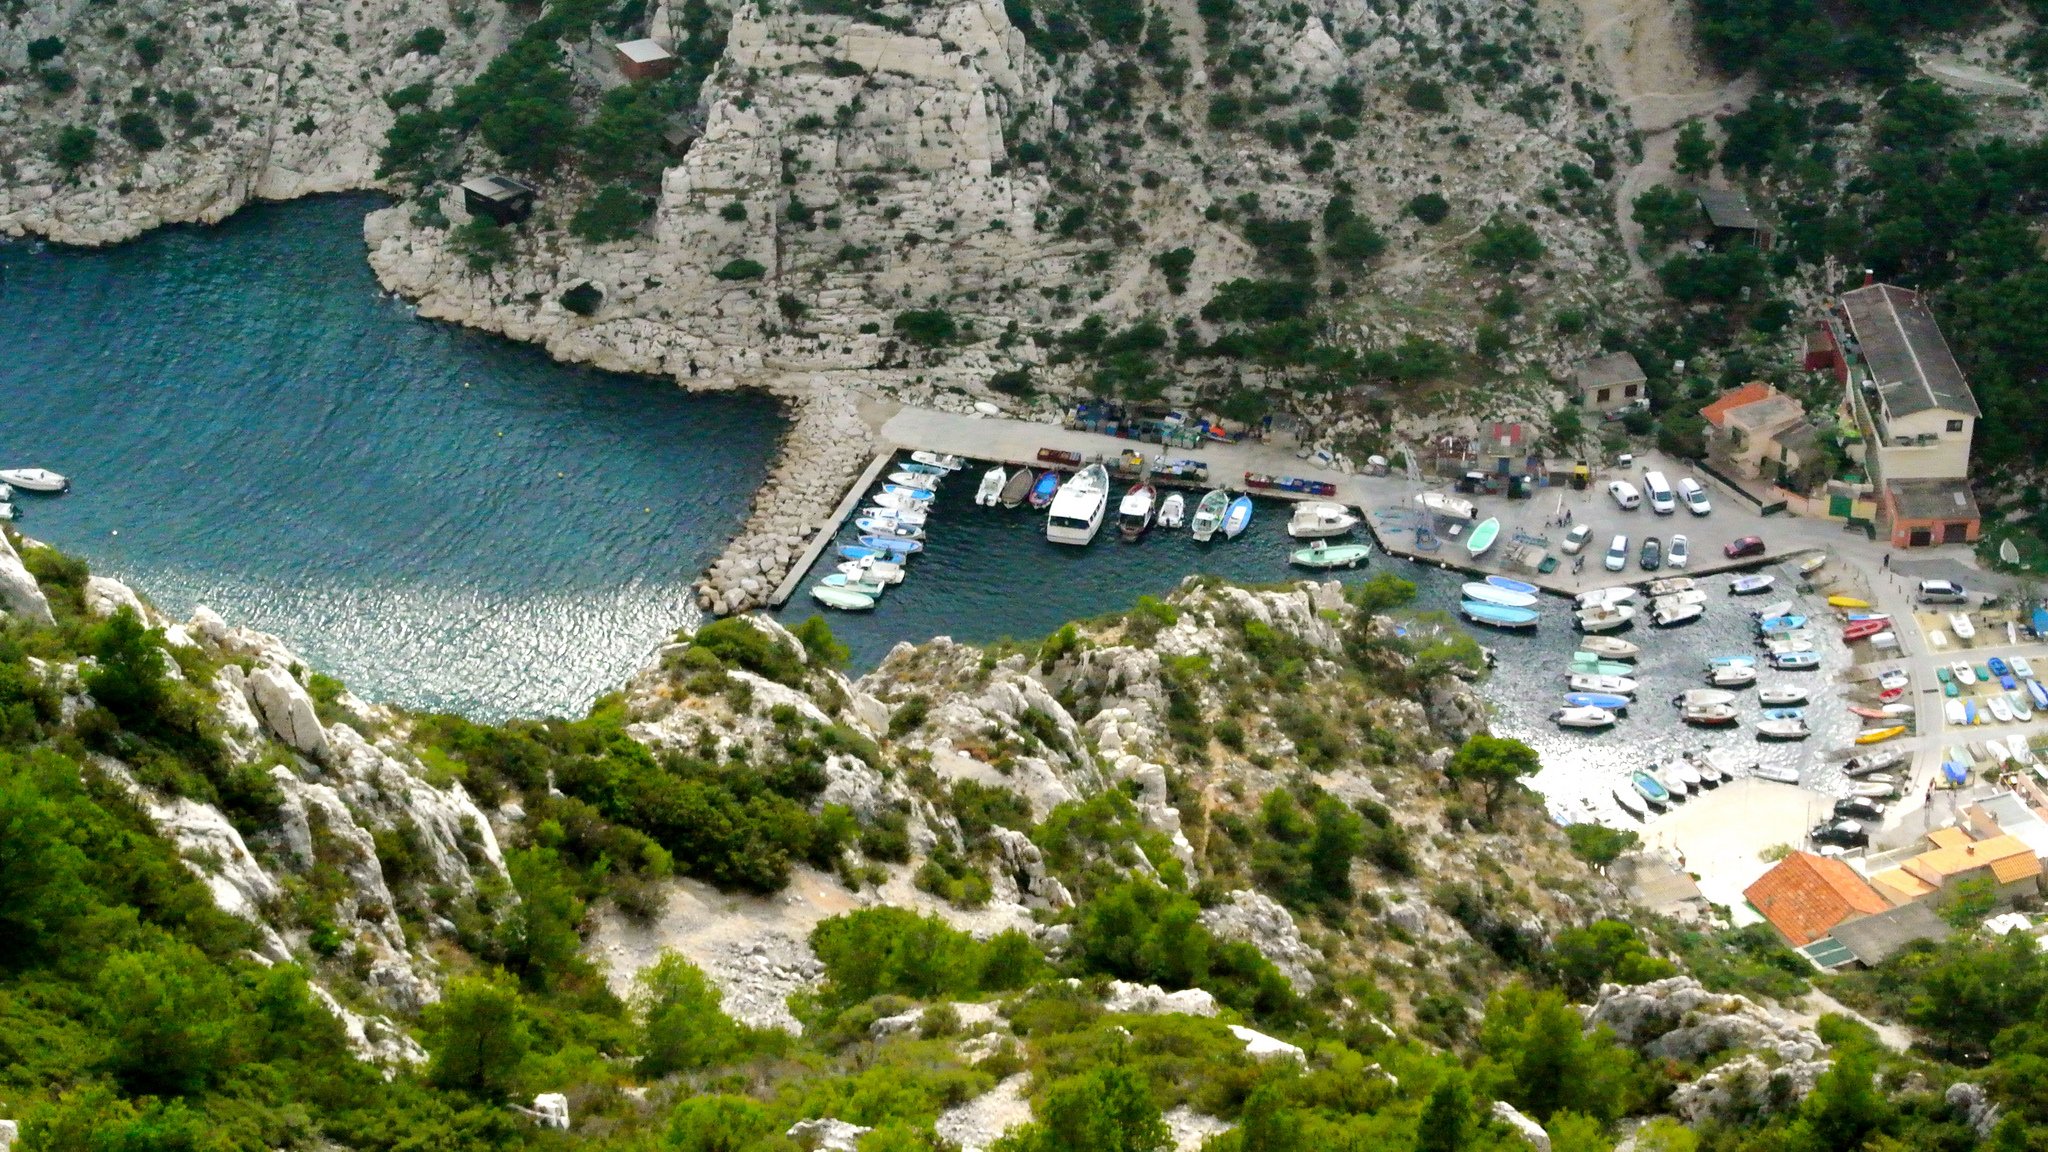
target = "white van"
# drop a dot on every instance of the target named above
(1662, 501)
(1694, 496)
(1624, 494)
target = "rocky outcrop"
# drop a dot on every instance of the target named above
(285, 708)
(1260, 1046)
(20, 595)
(1529, 1131)
(826, 1135)
(1152, 1000)
(1777, 1061)
(104, 597)
(1260, 921)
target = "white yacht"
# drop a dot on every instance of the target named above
(1076, 513)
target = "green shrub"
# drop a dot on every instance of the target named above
(482, 243)
(46, 49)
(929, 328)
(57, 80)
(1429, 208)
(735, 211)
(141, 131)
(410, 96)
(612, 213)
(1426, 96)
(889, 950)
(149, 50)
(1175, 265)
(909, 715)
(741, 269)
(1506, 244)
(427, 41)
(75, 145)
(739, 644)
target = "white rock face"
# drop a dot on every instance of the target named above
(983, 1120)
(20, 595)
(1152, 1000)
(1260, 921)
(105, 596)
(287, 710)
(826, 1135)
(372, 1039)
(1260, 1046)
(1677, 1019)
(1530, 1131)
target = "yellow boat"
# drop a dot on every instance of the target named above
(1878, 735)
(1847, 602)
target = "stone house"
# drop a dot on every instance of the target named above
(1956, 856)
(1761, 433)
(1606, 383)
(1918, 411)
(643, 59)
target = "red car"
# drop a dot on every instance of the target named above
(1747, 546)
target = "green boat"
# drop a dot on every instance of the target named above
(1586, 663)
(1321, 555)
(1483, 536)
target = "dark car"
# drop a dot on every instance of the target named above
(1841, 833)
(1747, 546)
(1861, 807)
(1653, 555)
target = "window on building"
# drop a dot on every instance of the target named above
(1955, 533)
(1629, 391)
(1601, 397)
(1955, 425)
(1919, 538)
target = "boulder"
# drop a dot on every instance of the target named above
(1677, 1019)
(1152, 1000)
(104, 597)
(1260, 1046)
(826, 1135)
(20, 595)
(285, 708)
(1530, 1131)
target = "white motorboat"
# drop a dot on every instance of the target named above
(1701, 697)
(1677, 788)
(1626, 798)
(1583, 718)
(990, 493)
(1959, 623)
(1773, 610)
(1671, 585)
(939, 460)
(1797, 642)
(1709, 772)
(1604, 597)
(1593, 682)
(1955, 712)
(2020, 667)
(1173, 510)
(1787, 728)
(1134, 512)
(1077, 508)
(2001, 708)
(852, 584)
(1709, 715)
(1885, 779)
(1671, 617)
(1317, 518)
(876, 526)
(873, 571)
(1777, 773)
(34, 480)
(1453, 507)
(1893, 680)
(1209, 513)
(1605, 619)
(1964, 674)
(1683, 771)
(844, 599)
(926, 480)
(899, 501)
(915, 517)
(1751, 585)
(1871, 790)
(1732, 676)
(1780, 696)
(1680, 599)
(1610, 648)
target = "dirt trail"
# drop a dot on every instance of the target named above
(1646, 49)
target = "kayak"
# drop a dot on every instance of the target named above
(1878, 735)
(1847, 602)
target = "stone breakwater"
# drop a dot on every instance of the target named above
(822, 456)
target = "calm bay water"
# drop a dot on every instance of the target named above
(439, 517)
(989, 572)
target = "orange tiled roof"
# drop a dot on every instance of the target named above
(1805, 896)
(1948, 837)
(2016, 868)
(1717, 412)
(1900, 886)
(1952, 859)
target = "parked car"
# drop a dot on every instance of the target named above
(1653, 554)
(1617, 554)
(1841, 833)
(1575, 540)
(1747, 546)
(1942, 592)
(1625, 494)
(1860, 807)
(1680, 552)
(1693, 495)
(1662, 502)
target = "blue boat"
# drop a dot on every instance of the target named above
(1237, 517)
(1781, 624)
(1605, 700)
(1955, 772)
(908, 492)
(1499, 615)
(856, 552)
(913, 466)
(2039, 693)
(1510, 585)
(896, 544)
(1795, 661)
(2003, 671)
(2038, 623)
(1042, 492)
(1784, 713)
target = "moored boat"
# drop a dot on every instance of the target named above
(915, 517)
(1751, 585)
(1795, 661)
(1604, 597)
(938, 460)
(1793, 728)
(1588, 664)
(1708, 715)
(851, 584)
(1583, 718)
(1664, 616)
(844, 599)
(873, 571)
(1498, 615)
(990, 493)
(1077, 509)
(1313, 519)
(909, 491)
(898, 501)
(1732, 676)
(1593, 682)
(1605, 619)
(879, 526)
(1608, 700)
(1510, 584)
(1671, 585)
(1209, 513)
(1325, 555)
(1134, 513)
(1044, 488)
(34, 480)
(1237, 517)
(917, 479)
(1490, 594)
(1610, 647)
(1173, 511)
(1700, 697)
(900, 544)
(1781, 695)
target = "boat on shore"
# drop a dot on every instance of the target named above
(1650, 788)
(1795, 661)
(1077, 508)
(1605, 597)
(1783, 728)
(1237, 517)
(1754, 584)
(1960, 624)
(1209, 513)
(1491, 594)
(1732, 676)
(1879, 735)
(1314, 519)
(34, 480)
(1671, 616)
(1326, 555)
(1701, 697)
(1134, 513)
(1608, 700)
(990, 493)
(1605, 619)
(1594, 682)
(899, 544)
(1672, 585)
(1864, 765)
(1451, 507)
(1173, 511)
(1626, 799)
(1781, 696)
(1498, 615)
(1771, 625)
(1813, 563)
(1483, 536)
(1708, 715)
(1610, 648)
(1589, 664)
(1774, 608)
(1583, 718)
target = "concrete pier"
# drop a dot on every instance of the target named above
(822, 539)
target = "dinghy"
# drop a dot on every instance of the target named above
(1812, 564)
(856, 552)
(1483, 536)
(1673, 616)
(1489, 594)
(892, 544)
(1959, 623)
(1774, 608)
(1674, 786)
(1209, 513)
(1795, 661)
(991, 491)
(2003, 671)
(1173, 511)
(1751, 585)
(1583, 718)
(916, 480)
(1701, 697)
(842, 580)
(882, 572)
(1708, 715)
(923, 469)
(1728, 661)
(1779, 624)
(1856, 630)
(1605, 619)
(1607, 700)
(1044, 488)
(1324, 555)
(1877, 735)
(1955, 773)
(1732, 676)
(1650, 788)
(1781, 696)
(1134, 513)
(1016, 489)
(1314, 519)
(1449, 506)
(1792, 729)
(898, 501)
(1871, 791)
(915, 517)
(877, 526)
(1626, 799)
(1497, 615)
(2001, 709)
(1710, 774)
(844, 599)
(1604, 597)
(1237, 517)
(1680, 599)
(908, 491)
(1510, 584)
(1683, 771)
(1777, 773)
(1954, 712)
(2021, 668)
(34, 480)
(1784, 713)
(2022, 708)
(1588, 682)
(936, 460)
(1610, 648)
(1893, 679)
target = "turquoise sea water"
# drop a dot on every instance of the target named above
(441, 518)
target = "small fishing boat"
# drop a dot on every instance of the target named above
(1701, 697)
(882, 572)
(1882, 779)
(1592, 682)
(1209, 513)
(1134, 512)
(1591, 665)
(1751, 585)
(1708, 715)
(1610, 648)
(911, 516)
(844, 599)
(898, 501)
(1322, 554)
(1483, 536)
(842, 580)
(1774, 608)
(1044, 488)
(1677, 788)
(1878, 735)
(1650, 788)
(1885, 713)
(1628, 801)
(1683, 771)
(1490, 594)
(877, 526)
(1813, 563)
(908, 491)
(1784, 713)
(1856, 630)
(1674, 615)
(2021, 668)
(1792, 729)
(1680, 599)
(1498, 615)
(1728, 661)
(2038, 692)
(1607, 700)
(1795, 661)
(1452, 507)
(1710, 773)
(1510, 584)
(2022, 708)
(1801, 641)
(1732, 676)
(1964, 674)
(1893, 679)
(1237, 517)
(1605, 619)
(1781, 695)
(892, 544)
(2001, 709)
(1955, 713)
(916, 480)
(1871, 790)
(1776, 773)
(1776, 624)
(34, 480)
(1583, 718)
(1959, 623)
(1604, 597)
(991, 491)
(857, 552)
(1847, 602)
(1173, 511)
(1316, 518)
(2002, 671)
(922, 469)
(1672, 585)
(938, 460)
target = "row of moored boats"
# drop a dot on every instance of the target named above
(1659, 786)
(892, 530)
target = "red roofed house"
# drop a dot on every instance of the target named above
(1806, 896)
(1762, 432)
